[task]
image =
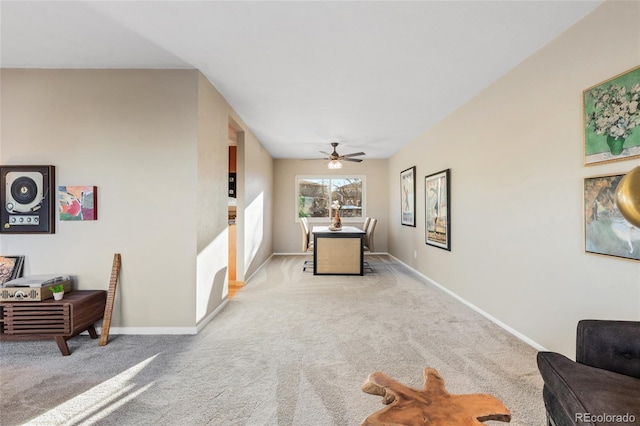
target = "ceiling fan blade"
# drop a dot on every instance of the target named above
(309, 159)
(334, 156)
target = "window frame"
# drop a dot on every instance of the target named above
(330, 178)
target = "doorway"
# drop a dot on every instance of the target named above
(234, 283)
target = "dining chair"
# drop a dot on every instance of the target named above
(368, 237)
(307, 242)
(305, 221)
(367, 220)
(368, 241)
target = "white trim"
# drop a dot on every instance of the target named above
(292, 254)
(176, 330)
(491, 318)
(206, 320)
(366, 253)
(150, 330)
(262, 265)
(317, 220)
(217, 310)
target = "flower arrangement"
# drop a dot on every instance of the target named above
(336, 223)
(615, 111)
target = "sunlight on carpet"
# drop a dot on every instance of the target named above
(99, 401)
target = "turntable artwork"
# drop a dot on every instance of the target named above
(26, 200)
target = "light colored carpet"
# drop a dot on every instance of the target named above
(289, 349)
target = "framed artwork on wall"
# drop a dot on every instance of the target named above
(26, 199)
(438, 209)
(611, 114)
(10, 268)
(78, 202)
(408, 196)
(606, 231)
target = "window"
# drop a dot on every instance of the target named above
(316, 195)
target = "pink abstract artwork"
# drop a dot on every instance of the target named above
(78, 202)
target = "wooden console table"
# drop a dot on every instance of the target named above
(338, 252)
(58, 320)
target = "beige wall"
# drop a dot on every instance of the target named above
(287, 230)
(516, 158)
(255, 203)
(212, 217)
(154, 142)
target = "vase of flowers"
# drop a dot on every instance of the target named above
(615, 114)
(336, 224)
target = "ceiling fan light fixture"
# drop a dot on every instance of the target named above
(335, 164)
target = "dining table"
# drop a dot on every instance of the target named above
(338, 252)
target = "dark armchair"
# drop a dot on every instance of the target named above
(602, 387)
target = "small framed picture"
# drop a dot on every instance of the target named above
(408, 196)
(438, 209)
(606, 231)
(78, 202)
(10, 268)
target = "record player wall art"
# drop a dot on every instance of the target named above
(26, 199)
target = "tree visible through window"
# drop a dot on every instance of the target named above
(316, 195)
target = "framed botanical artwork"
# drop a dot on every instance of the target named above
(408, 196)
(612, 119)
(606, 231)
(438, 209)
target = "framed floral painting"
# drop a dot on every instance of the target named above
(606, 231)
(408, 196)
(612, 119)
(437, 209)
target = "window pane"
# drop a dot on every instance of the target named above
(313, 198)
(348, 192)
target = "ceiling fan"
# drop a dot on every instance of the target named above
(335, 159)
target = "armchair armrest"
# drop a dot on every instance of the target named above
(610, 345)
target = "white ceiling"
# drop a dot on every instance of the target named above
(370, 75)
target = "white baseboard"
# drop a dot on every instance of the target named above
(206, 320)
(491, 318)
(292, 254)
(311, 253)
(262, 265)
(164, 330)
(217, 310)
(149, 330)
(176, 330)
